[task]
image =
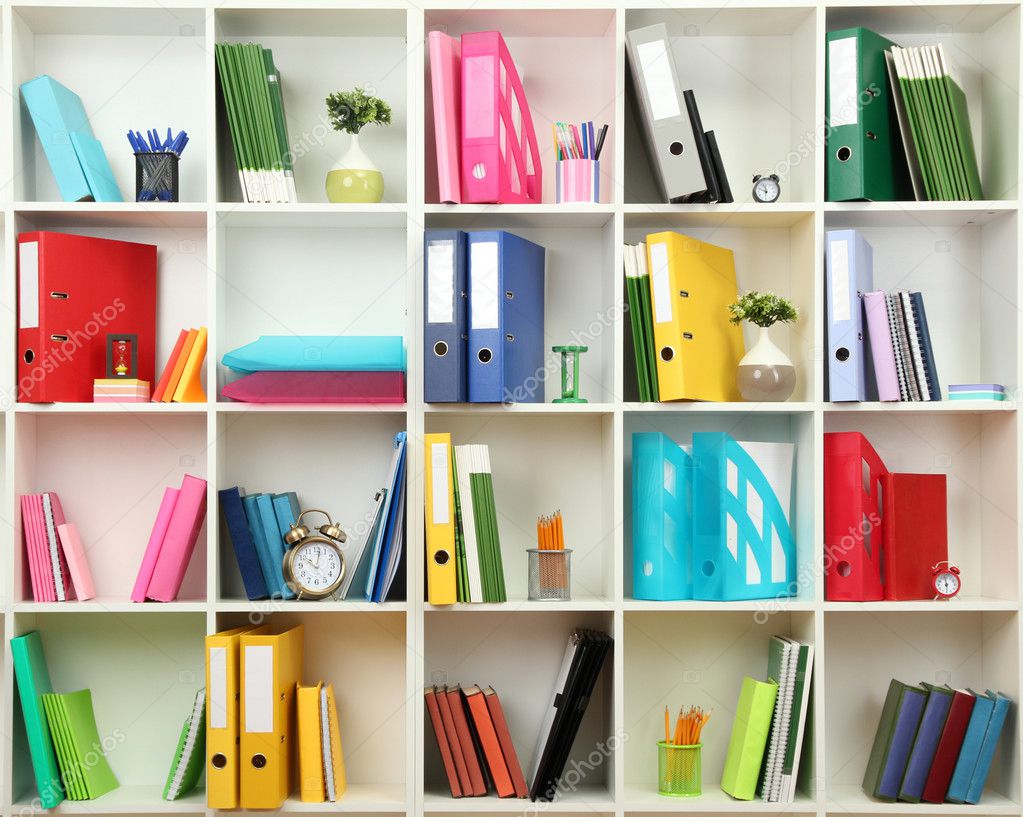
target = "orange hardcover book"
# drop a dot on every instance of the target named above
(454, 743)
(477, 785)
(179, 366)
(504, 738)
(168, 369)
(488, 739)
(442, 741)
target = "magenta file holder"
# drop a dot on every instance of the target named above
(577, 180)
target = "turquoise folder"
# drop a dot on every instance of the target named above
(287, 509)
(275, 544)
(98, 172)
(33, 682)
(272, 570)
(973, 740)
(330, 353)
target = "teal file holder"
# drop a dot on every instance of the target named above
(327, 353)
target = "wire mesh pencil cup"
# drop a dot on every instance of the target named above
(156, 176)
(679, 769)
(550, 574)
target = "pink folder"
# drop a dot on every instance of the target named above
(500, 156)
(179, 542)
(156, 537)
(36, 549)
(879, 333)
(81, 576)
(318, 387)
(445, 80)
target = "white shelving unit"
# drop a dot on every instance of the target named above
(757, 67)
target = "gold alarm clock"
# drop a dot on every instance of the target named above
(314, 565)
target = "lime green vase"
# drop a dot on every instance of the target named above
(355, 179)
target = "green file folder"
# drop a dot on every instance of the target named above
(33, 682)
(750, 729)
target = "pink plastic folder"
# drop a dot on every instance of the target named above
(881, 350)
(500, 156)
(163, 517)
(445, 80)
(179, 542)
(81, 576)
(318, 387)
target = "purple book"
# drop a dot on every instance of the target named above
(907, 720)
(939, 700)
(976, 387)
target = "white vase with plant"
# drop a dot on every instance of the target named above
(766, 373)
(355, 178)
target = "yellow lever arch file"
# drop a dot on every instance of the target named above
(271, 667)
(222, 674)
(698, 348)
(440, 521)
(321, 765)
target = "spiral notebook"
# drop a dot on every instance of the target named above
(189, 757)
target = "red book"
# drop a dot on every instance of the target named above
(504, 738)
(442, 741)
(488, 740)
(454, 742)
(853, 532)
(472, 762)
(949, 744)
(168, 368)
(915, 533)
(73, 291)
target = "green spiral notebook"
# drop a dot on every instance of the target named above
(190, 754)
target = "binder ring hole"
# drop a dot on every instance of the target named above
(479, 170)
(29, 355)
(842, 354)
(843, 154)
(676, 148)
(509, 294)
(708, 568)
(441, 557)
(61, 296)
(259, 761)
(59, 338)
(218, 761)
(667, 353)
(510, 338)
(485, 355)
(871, 136)
(440, 348)
(844, 569)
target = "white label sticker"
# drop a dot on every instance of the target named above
(840, 307)
(843, 106)
(259, 689)
(439, 459)
(218, 687)
(661, 281)
(440, 283)
(654, 62)
(28, 289)
(484, 298)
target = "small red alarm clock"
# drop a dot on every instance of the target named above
(946, 580)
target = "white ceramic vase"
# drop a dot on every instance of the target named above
(766, 373)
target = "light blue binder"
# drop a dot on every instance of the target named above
(328, 353)
(958, 788)
(272, 572)
(849, 261)
(988, 747)
(274, 542)
(661, 518)
(743, 547)
(98, 172)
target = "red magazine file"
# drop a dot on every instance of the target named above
(853, 530)
(72, 292)
(915, 534)
(949, 744)
(318, 387)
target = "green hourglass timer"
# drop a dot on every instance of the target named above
(570, 390)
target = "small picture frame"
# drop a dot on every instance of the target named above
(122, 356)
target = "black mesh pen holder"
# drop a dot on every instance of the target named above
(156, 176)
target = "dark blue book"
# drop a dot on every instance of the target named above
(925, 345)
(237, 528)
(987, 749)
(939, 701)
(893, 740)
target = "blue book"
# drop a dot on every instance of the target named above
(236, 526)
(272, 573)
(987, 748)
(274, 541)
(286, 509)
(933, 386)
(330, 353)
(939, 701)
(900, 717)
(958, 787)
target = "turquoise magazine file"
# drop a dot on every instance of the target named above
(328, 353)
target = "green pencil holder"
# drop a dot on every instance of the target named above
(679, 769)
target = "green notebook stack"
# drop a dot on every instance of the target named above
(33, 679)
(83, 768)
(637, 290)
(935, 124)
(190, 755)
(483, 572)
(250, 85)
(750, 729)
(461, 574)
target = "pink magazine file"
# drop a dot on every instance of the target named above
(445, 81)
(35, 547)
(179, 542)
(881, 350)
(81, 576)
(156, 537)
(577, 180)
(62, 573)
(500, 156)
(318, 387)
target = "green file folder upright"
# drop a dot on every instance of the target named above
(865, 156)
(33, 682)
(750, 729)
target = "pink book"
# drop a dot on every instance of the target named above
(179, 542)
(156, 537)
(445, 80)
(876, 307)
(53, 518)
(318, 387)
(35, 547)
(77, 564)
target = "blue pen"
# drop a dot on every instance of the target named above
(586, 144)
(592, 143)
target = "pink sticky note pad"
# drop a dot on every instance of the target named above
(77, 564)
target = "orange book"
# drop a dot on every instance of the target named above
(168, 368)
(476, 786)
(189, 389)
(504, 738)
(488, 740)
(179, 366)
(453, 742)
(442, 741)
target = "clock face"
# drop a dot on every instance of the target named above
(946, 583)
(766, 190)
(317, 567)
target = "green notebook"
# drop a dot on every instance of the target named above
(461, 575)
(190, 754)
(33, 679)
(633, 282)
(750, 729)
(646, 315)
(73, 727)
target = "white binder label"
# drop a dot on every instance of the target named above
(218, 687)
(259, 689)
(840, 309)
(654, 61)
(843, 107)
(439, 457)
(28, 289)
(483, 300)
(661, 282)
(440, 283)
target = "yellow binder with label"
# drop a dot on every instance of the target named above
(222, 677)
(698, 348)
(321, 764)
(440, 521)
(271, 667)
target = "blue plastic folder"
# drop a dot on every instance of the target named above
(445, 301)
(849, 261)
(328, 353)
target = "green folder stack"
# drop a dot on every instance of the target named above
(33, 679)
(637, 289)
(935, 124)
(750, 729)
(190, 754)
(251, 88)
(83, 767)
(483, 572)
